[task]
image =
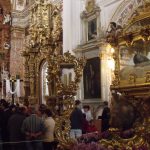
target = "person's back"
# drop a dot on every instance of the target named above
(14, 130)
(33, 127)
(49, 142)
(76, 119)
(14, 126)
(105, 117)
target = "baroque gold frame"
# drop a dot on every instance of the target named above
(45, 32)
(135, 89)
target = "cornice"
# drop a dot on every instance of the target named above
(17, 28)
(91, 45)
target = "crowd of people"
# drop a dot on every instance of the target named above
(26, 128)
(32, 127)
(82, 120)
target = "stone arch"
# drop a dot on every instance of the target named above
(125, 11)
(41, 61)
(42, 79)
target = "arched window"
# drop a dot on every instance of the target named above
(44, 83)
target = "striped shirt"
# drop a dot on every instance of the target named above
(33, 124)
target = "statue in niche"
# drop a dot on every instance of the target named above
(114, 32)
(7, 19)
(57, 24)
(92, 29)
(90, 4)
(139, 58)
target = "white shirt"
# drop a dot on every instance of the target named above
(88, 114)
(50, 126)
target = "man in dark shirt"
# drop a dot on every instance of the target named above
(105, 117)
(14, 129)
(76, 119)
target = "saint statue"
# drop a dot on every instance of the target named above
(7, 19)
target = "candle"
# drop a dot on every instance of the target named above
(70, 77)
(65, 79)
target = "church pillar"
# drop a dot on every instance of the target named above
(26, 76)
(106, 72)
(72, 29)
(32, 78)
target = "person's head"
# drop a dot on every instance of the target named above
(23, 110)
(48, 113)
(113, 25)
(105, 103)
(4, 104)
(91, 122)
(33, 109)
(78, 103)
(42, 109)
(86, 108)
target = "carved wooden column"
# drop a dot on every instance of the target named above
(26, 76)
(32, 77)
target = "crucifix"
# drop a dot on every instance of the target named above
(10, 87)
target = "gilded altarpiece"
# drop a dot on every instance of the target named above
(132, 66)
(45, 34)
(45, 45)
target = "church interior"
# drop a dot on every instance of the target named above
(66, 58)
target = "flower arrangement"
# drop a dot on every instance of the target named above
(92, 141)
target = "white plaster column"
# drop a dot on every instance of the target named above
(106, 74)
(72, 30)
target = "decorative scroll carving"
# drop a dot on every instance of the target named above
(147, 77)
(45, 34)
(136, 81)
(132, 78)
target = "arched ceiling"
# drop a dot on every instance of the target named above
(6, 4)
(125, 11)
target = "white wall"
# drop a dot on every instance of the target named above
(72, 27)
(72, 24)
(72, 35)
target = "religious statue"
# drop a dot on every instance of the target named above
(139, 58)
(113, 33)
(6, 46)
(90, 5)
(57, 28)
(7, 19)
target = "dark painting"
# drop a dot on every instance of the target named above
(91, 78)
(92, 29)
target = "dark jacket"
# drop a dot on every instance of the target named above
(76, 119)
(14, 127)
(105, 118)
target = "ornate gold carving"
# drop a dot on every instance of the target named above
(116, 81)
(147, 77)
(135, 88)
(132, 78)
(45, 34)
